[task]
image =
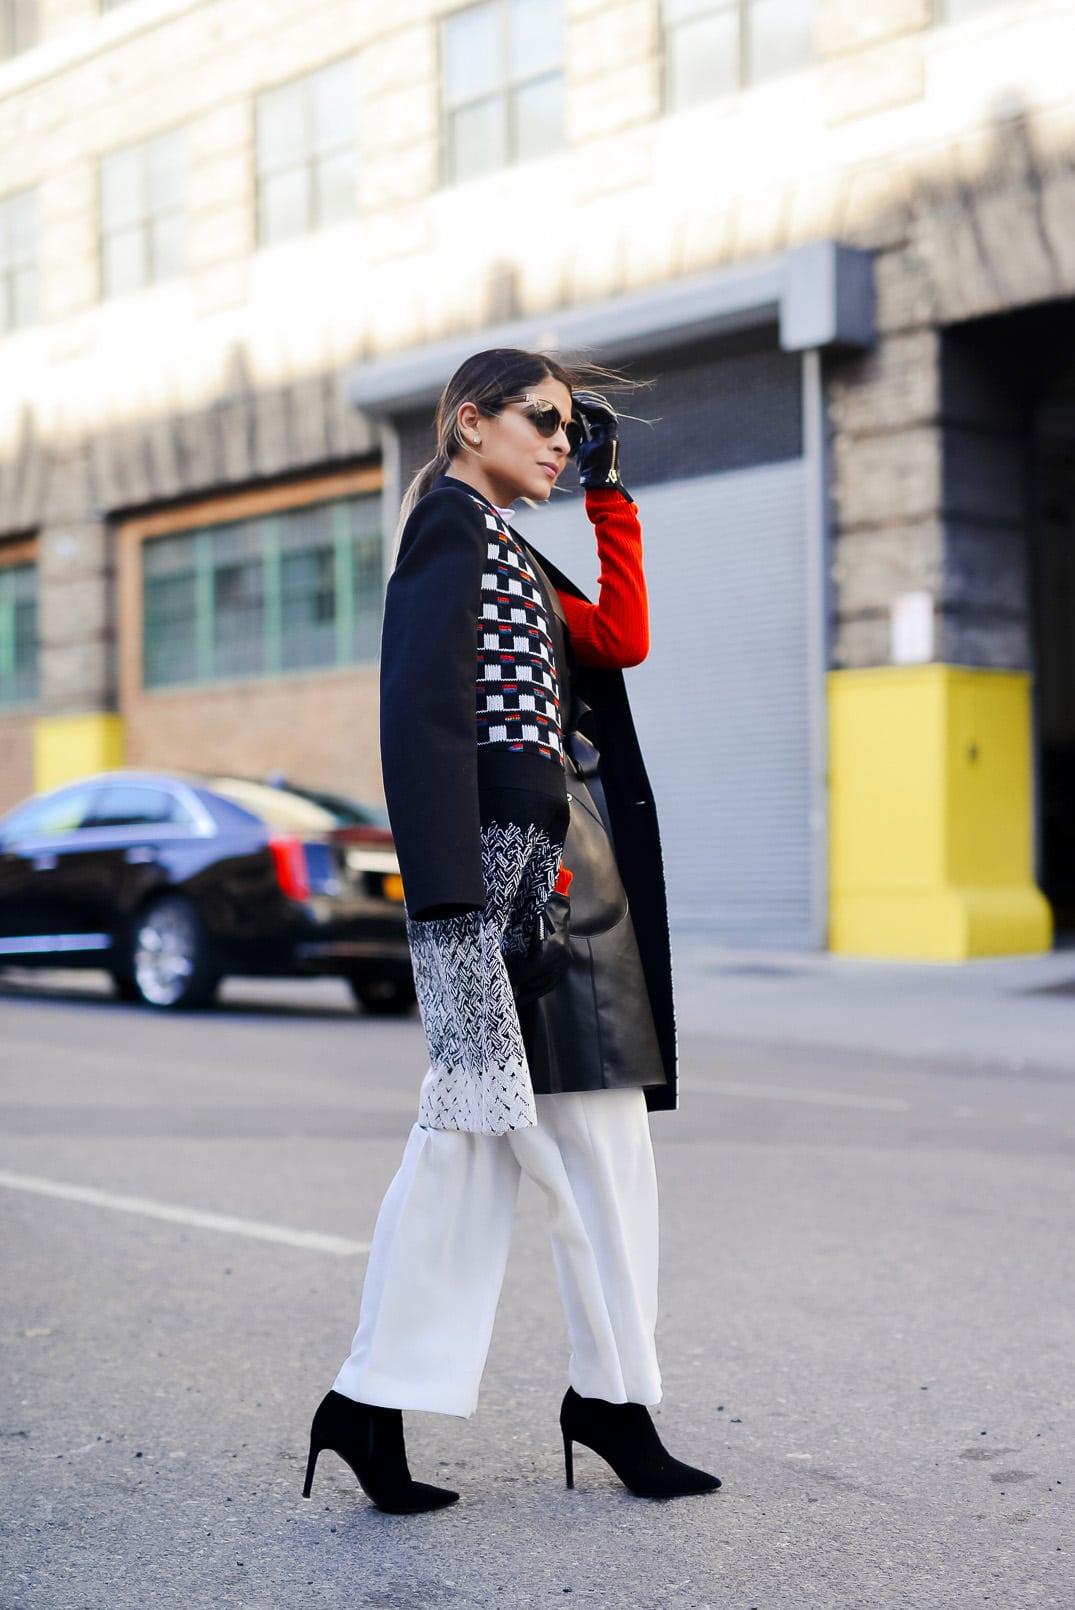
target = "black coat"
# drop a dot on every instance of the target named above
(429, 751)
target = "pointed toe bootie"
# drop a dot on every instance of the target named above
(625, 1437)
(370, 1440)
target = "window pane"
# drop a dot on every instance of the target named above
(538, 111)
(536, 37)
(21, 227)
(166, 164)
(676, 11)
(473, 54)
(476, 139)
(23, 298)
(282, 133)
(18, 634)
(238, 600)
(956, 10)
(167, 247)
(781, 37)
(703, 59)
(23, 25)
(335, 180)
(285, 205)
(123, 188)
(334, 93)
(369, 593)
(169, 608)
(308, 582)
(124, 262)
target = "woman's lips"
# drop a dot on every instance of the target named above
(551, 470)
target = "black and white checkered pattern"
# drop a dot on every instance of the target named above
(518, 702)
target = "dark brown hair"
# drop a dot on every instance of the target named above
(490, 380)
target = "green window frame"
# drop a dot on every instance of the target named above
(718, 47)
(298, 589)
(18, 634)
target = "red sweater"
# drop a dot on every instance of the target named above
(614, 632)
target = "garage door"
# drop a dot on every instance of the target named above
(722, 704)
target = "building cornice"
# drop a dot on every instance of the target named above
(818, 296)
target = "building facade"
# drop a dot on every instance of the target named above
(242, 244)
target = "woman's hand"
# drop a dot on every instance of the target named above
(597, 453)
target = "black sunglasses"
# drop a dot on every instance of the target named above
(547, 420)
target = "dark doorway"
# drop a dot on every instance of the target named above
(1009, 385)
(1053, 483)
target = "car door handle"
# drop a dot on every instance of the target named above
(44, 863)
(139, 855)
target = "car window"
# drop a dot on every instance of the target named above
(54, 813)
(275, 806)
(137, 805)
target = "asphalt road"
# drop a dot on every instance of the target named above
(867, 1330)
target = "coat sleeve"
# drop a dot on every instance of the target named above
(428, 731)
(614, 632)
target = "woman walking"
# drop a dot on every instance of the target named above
(492, 666)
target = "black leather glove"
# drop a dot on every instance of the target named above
(549, 957)
(597, 453)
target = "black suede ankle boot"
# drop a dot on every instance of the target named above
(626, 1438)
(370, 1440)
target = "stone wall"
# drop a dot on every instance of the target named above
(234, 374)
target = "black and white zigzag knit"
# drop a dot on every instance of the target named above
(478, 1077)
(518, 698)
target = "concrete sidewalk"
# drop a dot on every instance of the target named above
(1013, 1012)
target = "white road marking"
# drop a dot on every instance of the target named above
(254, 1229)
(812, 1098)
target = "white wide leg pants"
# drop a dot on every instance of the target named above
(441, 1242)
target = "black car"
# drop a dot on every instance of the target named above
(170, 882)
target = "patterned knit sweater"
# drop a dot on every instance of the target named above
(469, 693)
(517, 692)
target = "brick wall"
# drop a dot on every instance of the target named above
(16, 759)
(319, 730)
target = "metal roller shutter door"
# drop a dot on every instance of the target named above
(722, 704)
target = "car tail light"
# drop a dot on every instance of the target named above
(356, 834)
(289, 858)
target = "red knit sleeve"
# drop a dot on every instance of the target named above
(614, 632)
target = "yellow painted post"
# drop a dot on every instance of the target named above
(66, 747)
(931, 827)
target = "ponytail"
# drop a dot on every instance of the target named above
(418, 488)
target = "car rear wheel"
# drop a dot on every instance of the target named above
(384, 997)
(171, 965)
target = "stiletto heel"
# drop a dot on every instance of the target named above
(624, 1436)
(370, 1440)
(569, 1462)
(311, 1464)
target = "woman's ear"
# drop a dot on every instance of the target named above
(468, 422)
